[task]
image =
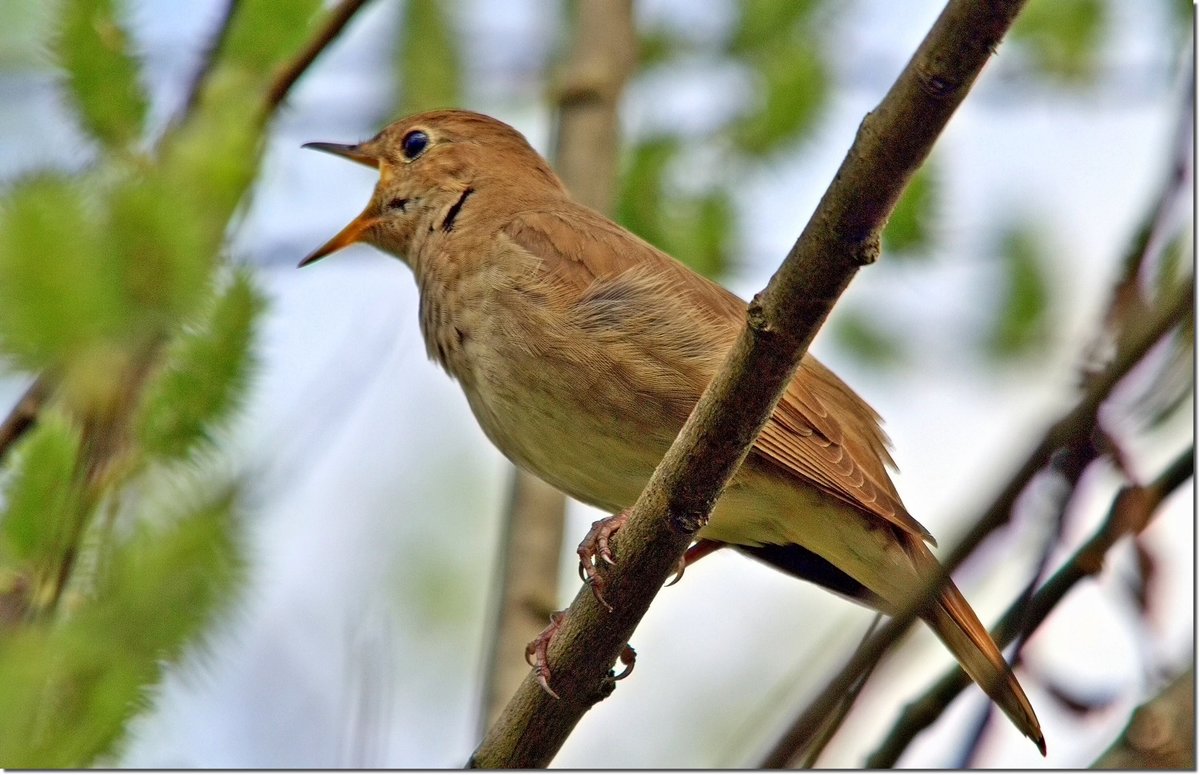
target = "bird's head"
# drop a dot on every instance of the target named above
(429, 165)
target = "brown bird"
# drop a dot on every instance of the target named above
(582, 349)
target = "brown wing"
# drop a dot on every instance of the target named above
(820, 432)
(823, 432)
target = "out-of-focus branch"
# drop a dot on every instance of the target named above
(841, 237)
(1131, 511)
(603, 52)
(1073, 428)
(334, 23)
(1161, 734)
(22, 417)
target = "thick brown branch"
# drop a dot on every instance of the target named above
(842, 235)
(585, 156)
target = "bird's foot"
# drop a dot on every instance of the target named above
(595, 547)
(535, 652)
(538, 648)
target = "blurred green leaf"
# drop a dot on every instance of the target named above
(760, 21)
(205, 376)
(641, 188)
(656, 47)
(71, 685)
(1063, 37)
(59, 297)
(102, 77)
(908, 233)
(265, 31)
(42, 498)
(872, 342)
(794, 85)
(158, 248)
(696, 229)
(867, 338)
(430, 63)
(1021, 325)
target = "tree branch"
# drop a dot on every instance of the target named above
(335, 22)
(603, 52)
(1074, 428)
(1131, 511)
(841, 236)
(1161, 734)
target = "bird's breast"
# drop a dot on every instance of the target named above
(590, 410)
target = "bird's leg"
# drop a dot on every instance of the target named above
(536, 651)
(594, 546)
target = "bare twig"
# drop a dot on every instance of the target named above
(23, 416)
(335, 22)
(585, 155)
(1070, 430)
(211, 52)
(1161, 734)
(1129, 514)
(841, 237)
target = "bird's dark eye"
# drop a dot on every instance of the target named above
(414, 144)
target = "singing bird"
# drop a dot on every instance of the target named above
(582, 349)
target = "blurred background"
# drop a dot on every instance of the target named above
(351, 509)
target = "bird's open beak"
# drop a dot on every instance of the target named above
(354, 230)
(344, 238)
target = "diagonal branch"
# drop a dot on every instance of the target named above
(335, 21)
(1131, 511)
(1073, 429)
(841, 237)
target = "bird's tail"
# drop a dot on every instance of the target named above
(952, 619)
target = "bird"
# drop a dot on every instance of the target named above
(582, 349)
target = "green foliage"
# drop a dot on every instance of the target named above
(862, 335)
(794, 89)
(1063, 37)
(264, 32)
(782, 46)
(110, 290)
(761, 21)
(43, 496)
(71, 685)
(696, 228)
(59, 297)
(430, 62)
(102, 77)
(205, 376)
(907, 234)
(1022, 321)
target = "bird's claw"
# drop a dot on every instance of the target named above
(536, 650)
(595, 545)
(628, 657)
